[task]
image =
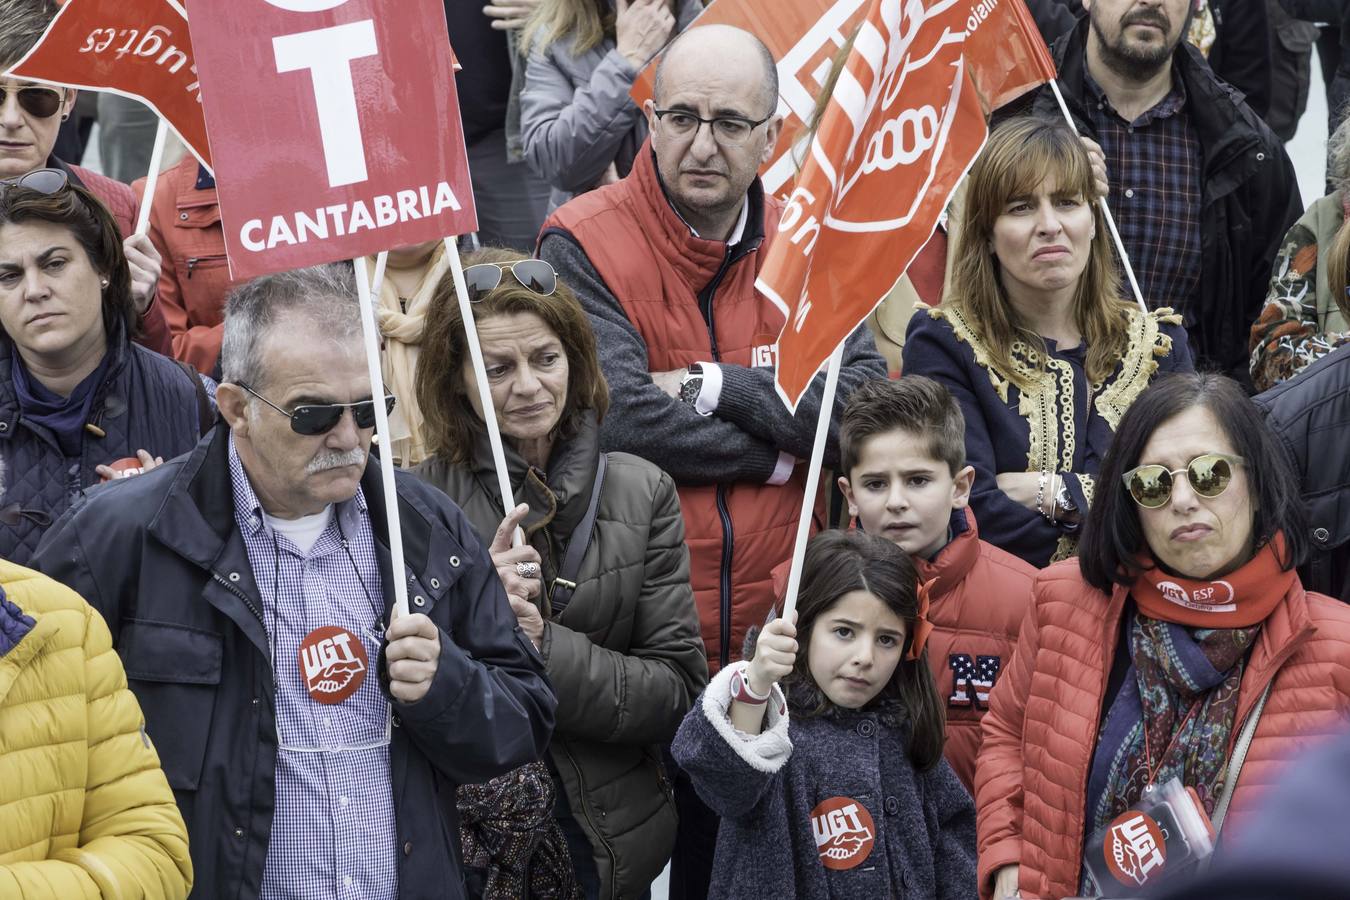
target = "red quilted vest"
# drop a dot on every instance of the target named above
(646, 255)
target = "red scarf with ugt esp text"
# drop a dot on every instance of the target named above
(1243, 597)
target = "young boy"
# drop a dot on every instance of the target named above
(902, 447)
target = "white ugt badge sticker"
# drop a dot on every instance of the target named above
(333, 664)
(844, 832)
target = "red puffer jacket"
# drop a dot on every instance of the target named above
(977, 607)
(1041, 730)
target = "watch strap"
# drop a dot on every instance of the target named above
(741, 690)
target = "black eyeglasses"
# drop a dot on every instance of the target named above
(44, 181)
(42, 102)
(1209, 475)
(310, 419)
(728, 130)
(534, 275)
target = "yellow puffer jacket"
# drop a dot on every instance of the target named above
(85, 810)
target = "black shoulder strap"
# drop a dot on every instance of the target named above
(566, 581)
(206, 417)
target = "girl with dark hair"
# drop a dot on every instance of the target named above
(852, 798)
(76, 396)
(1181, 639)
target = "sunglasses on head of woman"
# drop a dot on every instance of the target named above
(534, 275)
(1209, 475)
(312, 419)
(43, 181)
(43, 102)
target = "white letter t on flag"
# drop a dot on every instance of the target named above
(327, 53)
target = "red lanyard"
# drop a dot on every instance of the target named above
(1148, 751)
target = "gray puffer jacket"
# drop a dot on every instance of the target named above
(624, 657)
(575, 113)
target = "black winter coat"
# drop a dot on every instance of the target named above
(146, 402)
(160, 556)
(1311, 415)
(1249, 199)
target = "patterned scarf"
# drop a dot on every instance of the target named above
(1178, 714)
(507, 831)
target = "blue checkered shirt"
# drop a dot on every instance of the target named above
(1154, 165)
(333, 831)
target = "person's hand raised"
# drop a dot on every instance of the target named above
(642, 28)
(509, 15)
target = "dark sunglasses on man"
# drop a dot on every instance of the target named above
(312, 419)
(534, 275)
(43, 102)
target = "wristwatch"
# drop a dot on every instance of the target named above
(1063, 499)
(691, 384)
(740, 689)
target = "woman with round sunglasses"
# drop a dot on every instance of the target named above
(30, 119)
(1034, 339)
(1180, 645)
(601, 583)
(79, 403)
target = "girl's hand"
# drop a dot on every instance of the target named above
(775, 652)
(1005, 883)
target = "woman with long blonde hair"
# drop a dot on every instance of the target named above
(579, 126)
(1034, 339)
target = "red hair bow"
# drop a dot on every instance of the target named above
(921, 628)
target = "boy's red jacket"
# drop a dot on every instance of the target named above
(976, 608)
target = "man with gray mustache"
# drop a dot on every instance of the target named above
(1201, 188)
(313, 741)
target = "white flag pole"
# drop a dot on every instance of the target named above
(378, 280)
(372, 336)
(813, 478)
(152, 177)
(484, 391)
(1106, 210)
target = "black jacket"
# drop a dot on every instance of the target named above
(1311, 415)
(1249, 199)
(145, 402)
(160, 556)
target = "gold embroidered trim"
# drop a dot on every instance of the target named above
(1147, 344)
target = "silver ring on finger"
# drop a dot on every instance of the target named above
(527, 569)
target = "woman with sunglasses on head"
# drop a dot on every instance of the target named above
(30, 118)
(1179, 644)
(1034, 339)
(601, 584)
(78, 401)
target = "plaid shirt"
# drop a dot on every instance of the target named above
(333, 830)
(1154, 165)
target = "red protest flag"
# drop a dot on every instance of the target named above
(138, 48)
(335, 126)
(904, 123)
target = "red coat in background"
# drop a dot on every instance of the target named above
(976, 608)
(185, 228)
(1041, 730)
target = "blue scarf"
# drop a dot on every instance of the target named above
(64, 417)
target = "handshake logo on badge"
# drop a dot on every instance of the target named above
(333, 664)
(844, 832)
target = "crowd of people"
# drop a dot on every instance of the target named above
(1078, 550)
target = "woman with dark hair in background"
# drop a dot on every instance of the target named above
(601, 585)
(1034, 341)
(1181, 623)
(75, 394)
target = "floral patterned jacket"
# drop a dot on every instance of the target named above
(1300, 322)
